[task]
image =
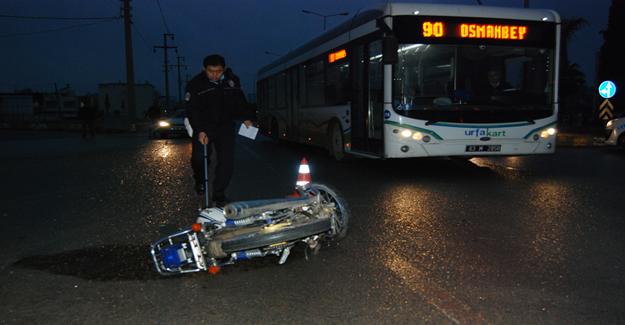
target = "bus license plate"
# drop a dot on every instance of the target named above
(483, 148)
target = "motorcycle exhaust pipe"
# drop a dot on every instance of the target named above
(244, 209)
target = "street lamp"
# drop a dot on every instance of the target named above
(324, 16)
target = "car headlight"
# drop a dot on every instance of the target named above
(609, 124)
(163, 124)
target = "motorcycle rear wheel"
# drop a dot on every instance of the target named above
(257, 237)
(263, 236)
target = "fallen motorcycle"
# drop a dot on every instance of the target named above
(250, 229)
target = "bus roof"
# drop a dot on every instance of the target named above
(369, 15)
(431, 9)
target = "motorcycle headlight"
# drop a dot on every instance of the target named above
(173, 256)
(163, 124)
(609, 124)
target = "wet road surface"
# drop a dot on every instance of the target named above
(514, 240)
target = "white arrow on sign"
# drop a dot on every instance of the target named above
(607, 90)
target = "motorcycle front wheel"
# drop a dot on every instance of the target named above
(341, 214)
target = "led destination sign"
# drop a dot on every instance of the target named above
(471, 30)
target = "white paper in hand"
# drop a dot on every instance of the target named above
(250, 132)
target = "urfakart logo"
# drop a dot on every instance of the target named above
(479, 133)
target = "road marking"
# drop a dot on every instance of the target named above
(455, 310)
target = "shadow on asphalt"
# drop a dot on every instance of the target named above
(614, 151)
(129, 263)
(99, 263)
(420, 168)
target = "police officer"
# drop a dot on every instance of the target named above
(215, 100)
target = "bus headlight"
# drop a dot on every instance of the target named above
(406, 133)
(163, 124)
(609, 124)
(417, 136)
(548, 132)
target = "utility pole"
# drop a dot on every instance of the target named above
(59, 99)
(130, 70)
(166, 47)
(179, 65)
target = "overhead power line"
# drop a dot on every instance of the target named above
(145, 41)
(57, 18)
(163, 16)
(55, 29)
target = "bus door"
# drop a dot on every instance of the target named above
(292, 98)
(367, 110)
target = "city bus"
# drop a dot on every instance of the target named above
(420, 80)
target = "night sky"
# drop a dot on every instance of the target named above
(85, 55)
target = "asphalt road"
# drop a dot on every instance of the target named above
(518, 240)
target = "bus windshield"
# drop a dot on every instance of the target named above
(473, 83)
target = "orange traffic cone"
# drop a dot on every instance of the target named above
(303, 177)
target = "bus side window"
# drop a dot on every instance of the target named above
(271, 93)
(337, 83)
(315, 90)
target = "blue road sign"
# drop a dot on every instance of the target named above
(607, 89)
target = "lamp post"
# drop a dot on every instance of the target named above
(324, 16)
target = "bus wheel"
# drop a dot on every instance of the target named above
(336, 145)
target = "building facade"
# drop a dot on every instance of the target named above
(112, 99)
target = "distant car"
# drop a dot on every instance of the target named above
(615, 132)
(170, 126)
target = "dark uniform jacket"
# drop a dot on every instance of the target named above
(212, 107)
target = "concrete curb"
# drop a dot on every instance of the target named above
(578, 140)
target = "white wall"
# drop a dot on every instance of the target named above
(145, 95)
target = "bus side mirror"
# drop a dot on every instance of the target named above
(389, 49)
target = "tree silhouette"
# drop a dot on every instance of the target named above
(572, 79)
(612, 53)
